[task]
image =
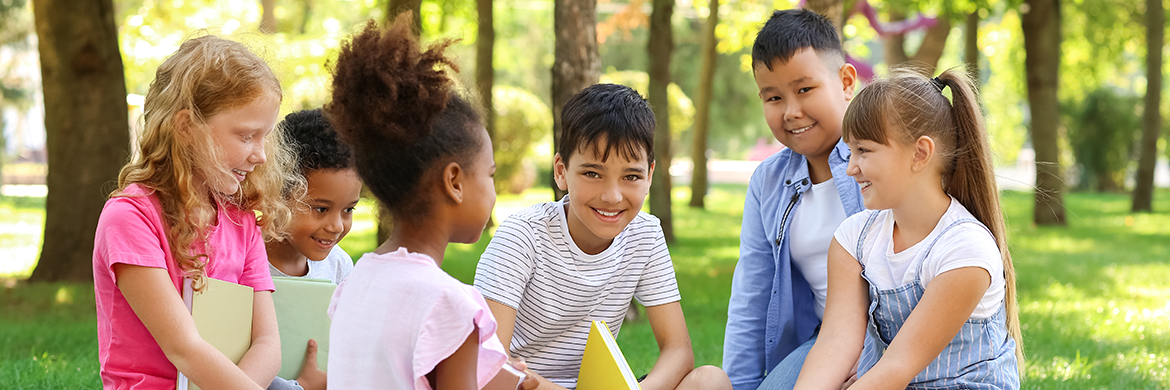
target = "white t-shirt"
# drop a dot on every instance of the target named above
(965, 245)
(533, 266)
(397, 316)
(811, 232)
(334, 267)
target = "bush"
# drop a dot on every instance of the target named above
(1103, 131)
(523, 122)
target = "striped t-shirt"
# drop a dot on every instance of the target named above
(533, 266)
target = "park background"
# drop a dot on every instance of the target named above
(1072, 91)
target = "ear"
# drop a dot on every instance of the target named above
(182, 120)
(453, 182)
(848, 75)
(923, 153)
(650, 175)
(559, 172)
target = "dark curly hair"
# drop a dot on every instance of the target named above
(398, 109)
(316, 144)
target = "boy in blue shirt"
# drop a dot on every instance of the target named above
(795, 201)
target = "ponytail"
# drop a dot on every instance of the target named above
(971, 181)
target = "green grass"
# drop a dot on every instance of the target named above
(1094, 296)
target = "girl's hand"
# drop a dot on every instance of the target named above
(311, 377)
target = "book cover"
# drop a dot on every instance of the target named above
(301, 314)
(604, 367)
(223, 317)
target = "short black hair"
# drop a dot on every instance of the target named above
(788, 31)
(614, 112)
(317, 146)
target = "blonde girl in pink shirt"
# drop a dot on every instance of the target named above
(400, 321)
(207, 162)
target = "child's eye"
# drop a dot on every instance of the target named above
(772, 99)
(805, 89)
(633, 177)
(321, 209)
(349, 210)
(591, 174)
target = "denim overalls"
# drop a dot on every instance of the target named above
(981, 356)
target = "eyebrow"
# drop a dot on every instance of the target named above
(325, 201)
(800, 80)
(601, 167)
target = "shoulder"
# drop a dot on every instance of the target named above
(134, 202)
(532, 217)
(645, 224)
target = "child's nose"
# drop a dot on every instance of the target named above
(335, 224)
(612, 193)
(852, 169)
(793, 111)
(258, 157)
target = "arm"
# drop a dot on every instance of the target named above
(458, 370)
(947, 303)
(169, 322)
(843, 330)
(262, 361)
(675, 357)
(505, 324)
(743, 346)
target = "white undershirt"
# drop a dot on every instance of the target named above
(813, 222)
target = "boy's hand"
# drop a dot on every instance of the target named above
(311, 378)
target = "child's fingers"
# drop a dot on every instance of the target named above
(311, 355)
(518, 363)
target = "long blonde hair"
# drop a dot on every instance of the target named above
(176, 152)
(916, 105)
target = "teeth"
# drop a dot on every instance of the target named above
(801, 130)
(608, 214)
(865, 185)
(239, 172)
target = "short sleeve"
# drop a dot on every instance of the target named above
(344, 264)
(129, 231)
(850, 231)
(256, 272)
(966, 245)
(453, 316)
(657, 285)
(507, 264)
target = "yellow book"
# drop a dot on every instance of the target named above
(604, 367)
(223, 317)
(301, 314)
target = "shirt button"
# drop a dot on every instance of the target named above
(804, 182)
(787, 182)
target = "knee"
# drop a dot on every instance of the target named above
(707, 377)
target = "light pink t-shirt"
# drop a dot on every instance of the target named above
(130, 231)
(397, 316)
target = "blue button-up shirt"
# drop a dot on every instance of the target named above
(772, 309)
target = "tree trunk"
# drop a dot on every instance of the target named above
(660, 45)
(971, 46)
(268, 16)
(895, 44)
(1143, 193)
(576, 62)
(398, 6)
(832, 9)
(1041, 26)
(933, 43)
(86, 126)
(703, 111)
(485, 77)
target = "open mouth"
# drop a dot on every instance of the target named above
(240, 175)
(864, 184)
(608, 214)
(802, 129)
(324, 243)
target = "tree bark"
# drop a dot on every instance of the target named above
(268, 16)
(895, 44)
(660, 45)
(576, 62)
(1041, 27)
(832, 9)
(1143, 193)
(396, 7)
(703, 111)
(484, 71)
(86, 126)
(933, 43)
(971, 46)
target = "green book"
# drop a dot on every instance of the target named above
(301, 306)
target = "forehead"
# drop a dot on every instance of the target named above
(806, 63)
(600, 151)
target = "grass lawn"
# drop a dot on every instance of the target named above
(1094, 297)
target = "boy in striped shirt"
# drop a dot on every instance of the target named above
(554, 267)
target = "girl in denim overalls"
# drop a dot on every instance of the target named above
(921, 285)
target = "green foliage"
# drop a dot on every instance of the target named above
(682, 110)
(522, 121)
(1103, 129)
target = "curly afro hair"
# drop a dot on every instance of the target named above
(316, 144)
(396, 106)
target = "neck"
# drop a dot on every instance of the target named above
(818, 169)
(285, 258)
(916, 217)
(428, 240)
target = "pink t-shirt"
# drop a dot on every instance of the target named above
(397, 316)
(130, 231)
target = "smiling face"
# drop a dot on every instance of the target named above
(885, 172)
(239, 134)
(604, 196)
(804, 101)
(328, 213)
